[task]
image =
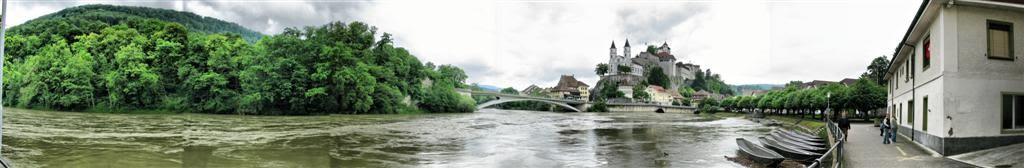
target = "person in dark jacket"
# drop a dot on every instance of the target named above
(886, 124)
(844, 124)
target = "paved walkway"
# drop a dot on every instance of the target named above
(865, 149)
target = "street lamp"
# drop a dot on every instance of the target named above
(828, 105)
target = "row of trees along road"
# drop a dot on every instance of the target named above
(864, 95)
(148, 64)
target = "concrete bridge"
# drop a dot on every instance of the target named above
(574, 105)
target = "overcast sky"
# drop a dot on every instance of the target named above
(518, 43)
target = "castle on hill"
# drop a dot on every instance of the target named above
(679, 73)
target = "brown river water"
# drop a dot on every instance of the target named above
(487, 138)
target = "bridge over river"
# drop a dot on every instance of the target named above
(575, 105)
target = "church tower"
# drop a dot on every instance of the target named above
(626, 50)
(612, 49)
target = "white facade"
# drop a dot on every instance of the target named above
(962, 85)
(615, 60)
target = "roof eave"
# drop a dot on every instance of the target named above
(910, 29)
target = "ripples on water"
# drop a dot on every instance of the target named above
(487, 138)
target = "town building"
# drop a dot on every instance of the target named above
(570, 88)
(659, 95)
(956, 81)
(700, 95)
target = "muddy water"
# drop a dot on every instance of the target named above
(487, 138)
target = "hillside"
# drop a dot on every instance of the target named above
(91, 18)
(124, 59)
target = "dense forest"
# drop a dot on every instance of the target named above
(115, 61)
(85, 19)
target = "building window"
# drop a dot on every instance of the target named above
(1000, 40)
(1013, 111)
(901, 113)
(906, 76)
(927, 50)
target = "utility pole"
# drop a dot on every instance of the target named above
(3, 37)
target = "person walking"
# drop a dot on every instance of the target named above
(844, 124)
(892, 128)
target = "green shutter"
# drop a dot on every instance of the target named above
(924, 113)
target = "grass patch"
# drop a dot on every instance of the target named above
(806, 122)
(721, 115)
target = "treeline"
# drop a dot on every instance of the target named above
(863, 95)
(152, 64)
(85, 19)
(710, 82)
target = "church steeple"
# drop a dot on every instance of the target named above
(626, 49)
(612, 49)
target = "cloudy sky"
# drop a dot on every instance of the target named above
(521, 42)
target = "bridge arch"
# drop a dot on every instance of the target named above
(506, 100)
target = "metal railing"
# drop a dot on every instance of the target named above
(837, 147)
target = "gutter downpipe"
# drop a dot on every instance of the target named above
(913, 89)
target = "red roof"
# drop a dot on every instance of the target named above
(664, 56)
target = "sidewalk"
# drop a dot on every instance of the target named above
(865, 149)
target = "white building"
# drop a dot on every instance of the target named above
(615, 60)
(956, 82)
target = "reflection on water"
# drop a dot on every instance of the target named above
(488, 138)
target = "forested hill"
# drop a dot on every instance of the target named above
(83, 61)
(91, 18)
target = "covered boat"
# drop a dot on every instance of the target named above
(806, 147)
(758, 153)
(802, 136)
(786, 137)
(788, 151)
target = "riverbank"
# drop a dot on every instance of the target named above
(721, 115)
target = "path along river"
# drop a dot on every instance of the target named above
(487, 138)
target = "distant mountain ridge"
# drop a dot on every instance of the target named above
(742, 89)
(89, 18)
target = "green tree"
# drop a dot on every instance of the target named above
(876, 70)
(655, 76)
(57, 78)
(131, 82)
(640, 93)
(601, 69)
(866, 95)
(624, 69)
(509, 90)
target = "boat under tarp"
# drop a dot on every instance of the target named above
(802, 146)
(808, 138)
(786, 137)
(788, 151)
(759, 153)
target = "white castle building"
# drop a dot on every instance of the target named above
(678, 72)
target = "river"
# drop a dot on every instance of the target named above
(487, 138)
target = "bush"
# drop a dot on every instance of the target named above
(598, 107)
(441, 99)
